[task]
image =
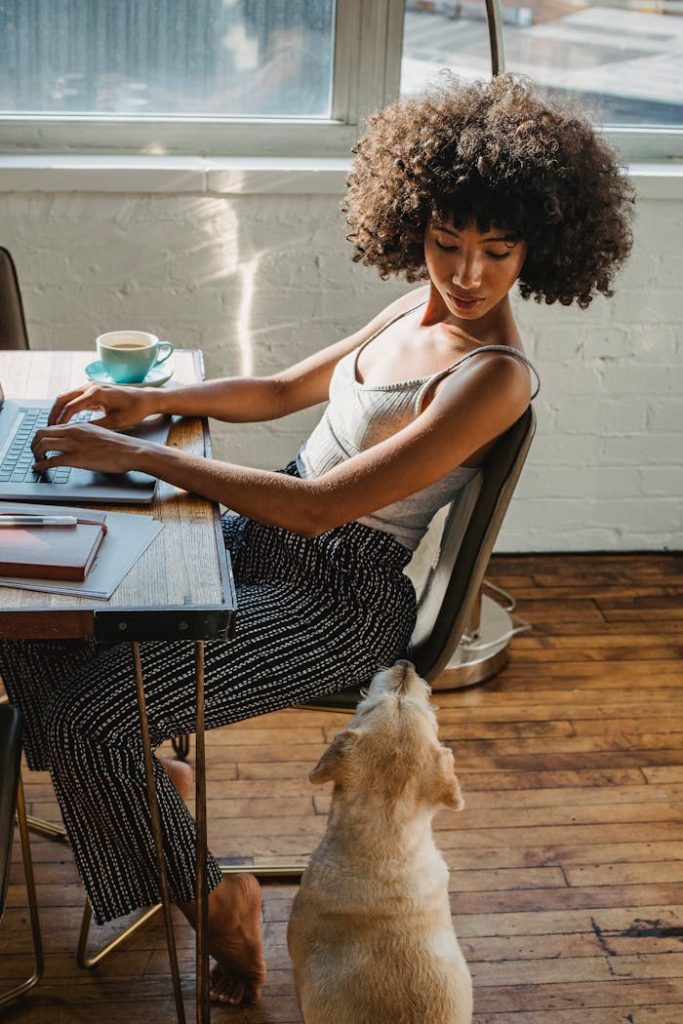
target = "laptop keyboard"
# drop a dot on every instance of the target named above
(18, 458)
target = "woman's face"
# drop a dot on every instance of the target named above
(472, 270)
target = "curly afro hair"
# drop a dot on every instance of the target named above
(492, 153)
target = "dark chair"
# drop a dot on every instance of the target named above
(449, 598)
(13, 333)
(11, 801)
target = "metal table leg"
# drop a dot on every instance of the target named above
(202, 959)
(202, 962)
(156, 831)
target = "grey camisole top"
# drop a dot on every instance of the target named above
(359, 416)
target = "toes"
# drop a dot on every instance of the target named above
(219, 988)
(228, 991)
(237, 995)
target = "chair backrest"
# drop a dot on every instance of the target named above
(469, 533)
(10, 758)
(455, 578)
(13, 333)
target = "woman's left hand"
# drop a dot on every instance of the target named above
(85, 446)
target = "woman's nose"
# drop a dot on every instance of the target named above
(468, 274)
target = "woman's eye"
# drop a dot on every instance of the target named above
(448, 248)
(498, 255)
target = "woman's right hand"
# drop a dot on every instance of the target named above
(123, 407)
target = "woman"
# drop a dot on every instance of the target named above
(470, 190)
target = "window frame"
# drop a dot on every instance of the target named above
(656, 143)
(366, 75)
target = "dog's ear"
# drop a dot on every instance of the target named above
(449, 792)
(330, 764)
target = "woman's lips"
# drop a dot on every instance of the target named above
(463, 304)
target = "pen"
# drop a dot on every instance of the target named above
(28, 520)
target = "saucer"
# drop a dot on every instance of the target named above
(157, 376)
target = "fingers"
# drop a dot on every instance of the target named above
(83, 445)
(41, 465)
(51, 450)
(38, 444)
(72, 402)
(61, 401)
(59, 440)
(51, 458)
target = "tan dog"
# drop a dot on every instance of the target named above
(370, 934)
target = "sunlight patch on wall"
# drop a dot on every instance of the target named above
(248, 272)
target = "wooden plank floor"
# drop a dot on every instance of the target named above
(566, 866)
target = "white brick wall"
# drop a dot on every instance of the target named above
(259, 281)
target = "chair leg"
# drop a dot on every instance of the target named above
(471, 631)
(85, 961)
(50, 829)
(181, 746)
(38, 965)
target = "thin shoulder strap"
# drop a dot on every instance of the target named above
(505, 349)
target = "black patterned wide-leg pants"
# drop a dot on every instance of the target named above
(314, 616)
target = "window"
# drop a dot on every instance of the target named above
(204, 58)
(297, 77)
(622, 57)
(202, 77)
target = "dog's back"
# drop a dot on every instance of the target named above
(384, 983)
(370, 933)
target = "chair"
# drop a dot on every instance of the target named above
(11, 800)
(450, 598)
(13, 333)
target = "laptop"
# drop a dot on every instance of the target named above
(19, 421)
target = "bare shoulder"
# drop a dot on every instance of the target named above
(489, 380)
(479, 402)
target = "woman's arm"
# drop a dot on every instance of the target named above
(234, 399)
(469, 410)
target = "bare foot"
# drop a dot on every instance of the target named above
(235, 940)
(181, 776)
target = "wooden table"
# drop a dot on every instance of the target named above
(180, 589)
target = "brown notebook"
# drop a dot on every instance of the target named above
(51, 552)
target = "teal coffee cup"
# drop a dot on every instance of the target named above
(128, 356)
